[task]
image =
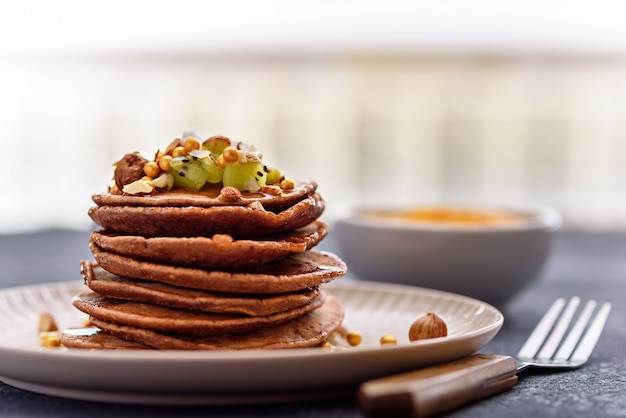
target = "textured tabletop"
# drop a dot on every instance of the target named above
(584, 264)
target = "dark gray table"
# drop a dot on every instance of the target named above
(584, 264)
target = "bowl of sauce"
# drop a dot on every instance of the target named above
(489, 253)
(448, 216)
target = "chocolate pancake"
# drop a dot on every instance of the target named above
(298, 271)
(218, 252)
(160, 318)
(93, 337)
(308, 330)
(112, 286)
(192, 221)
(275, 200)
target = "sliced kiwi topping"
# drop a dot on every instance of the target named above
(188, 173)
(214, 171)
(250, 176)
(218, 160)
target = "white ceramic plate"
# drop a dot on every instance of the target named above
(191, 377)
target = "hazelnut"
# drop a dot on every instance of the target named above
(428, 326)
(129, 169)
(230, 194)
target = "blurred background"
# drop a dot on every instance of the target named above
(395, 101)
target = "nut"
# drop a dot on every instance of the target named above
(50, 339)
(255, 205)
(216, 143)
(270, 190)
(140, 186)
(47, 323)
(177, 142)
(428, 326)
(164, 181)
(229, 194)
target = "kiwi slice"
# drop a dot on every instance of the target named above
(188, 173)
(274, 175)
(250, 176)
(215, 172)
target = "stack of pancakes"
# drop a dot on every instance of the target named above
(213, 269)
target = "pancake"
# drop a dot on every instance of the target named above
(160, 318)
(296, 272)
(308, 330)
(112, 286)
(217, 252)
(275, 199)
(93, 337)
(192, 221)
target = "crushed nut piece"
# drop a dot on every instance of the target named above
(164, 181)
(140, 186)
(47, 323)
(256, 205)
(50, 339)
(230, 194)
(177, 142)
(200, 154)
(271, 190)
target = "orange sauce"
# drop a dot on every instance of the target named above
(448, 215)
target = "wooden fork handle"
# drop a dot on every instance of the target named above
(438, 388)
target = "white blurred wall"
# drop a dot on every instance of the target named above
(393, 121)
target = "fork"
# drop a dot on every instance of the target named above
(440, 388)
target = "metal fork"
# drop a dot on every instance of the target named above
(443, 387)
(539, 348)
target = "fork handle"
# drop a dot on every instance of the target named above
(438, 388)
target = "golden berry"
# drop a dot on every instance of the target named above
(388, 339)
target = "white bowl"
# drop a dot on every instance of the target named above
(488, 262)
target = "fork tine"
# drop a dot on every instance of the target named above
(590, 339)
(559, 330)
(575, 333)
(538, 336)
